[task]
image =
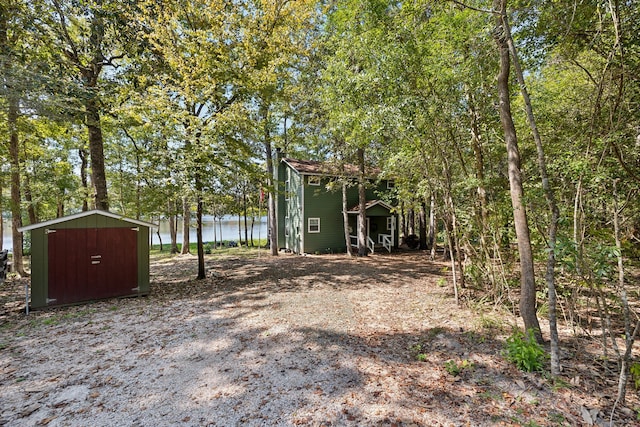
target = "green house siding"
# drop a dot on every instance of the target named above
(327, 206)
(40, 252)
(304, 201)
(281, 174)
(293, 213)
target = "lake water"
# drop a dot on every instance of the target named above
(229, 227)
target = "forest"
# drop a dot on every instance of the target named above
(511, 129)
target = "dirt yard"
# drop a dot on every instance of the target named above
(289, 340)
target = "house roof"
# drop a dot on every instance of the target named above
(369, 205)
(314, 167)
(82, 215)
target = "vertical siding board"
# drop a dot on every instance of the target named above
(280, 203)
(143, 260)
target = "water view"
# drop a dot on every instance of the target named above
(227, 228)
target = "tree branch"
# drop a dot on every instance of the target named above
(477, 9)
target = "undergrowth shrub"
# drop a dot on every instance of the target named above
(524, 351)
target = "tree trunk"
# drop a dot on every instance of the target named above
(96, 153)
(200, 246)
(551, 203)
(411, 222)
(527, 273)
(402, 221)
(363, 250)
(345, 219)
(431, 238)
(215, 233)
(198, 177)
(159, 236)
(173, 226)
(452, 255)
(14, 160)
(14, 156)
(239, 229)
(31, 209)
(253, 223)
(272, 185)
(244, 209)
(481, 193)
(186, 225)
(220, 229)
(83, 178)
(422, 220)
(629, 334)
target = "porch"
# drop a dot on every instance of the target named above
(381, 226)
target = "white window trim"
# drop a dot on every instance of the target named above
(313, 180)
(391, 221)
(309, 230)
(390, 184)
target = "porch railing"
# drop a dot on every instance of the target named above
(385, 239)
(354, 241)
(370, 243)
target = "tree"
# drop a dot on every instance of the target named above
(89, 37)
(196, 47)
(276, 43)
(527, 272)
(358, 114)
(10, 37)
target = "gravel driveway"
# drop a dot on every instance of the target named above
(318, 340)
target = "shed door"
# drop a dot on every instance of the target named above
(92, 263)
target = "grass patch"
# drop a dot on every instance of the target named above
(210, 250)
(225, 246)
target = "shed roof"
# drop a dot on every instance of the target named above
(314, 167)
(82, 215)
(369, 205)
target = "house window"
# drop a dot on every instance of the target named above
(287, 224)
(314, 225)
(391, 221)
(313, 180)
(391, 184)
(286, 190)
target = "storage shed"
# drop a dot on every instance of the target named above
(88, 256)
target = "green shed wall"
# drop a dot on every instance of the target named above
(40, 253)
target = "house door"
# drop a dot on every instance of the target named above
(91, 263)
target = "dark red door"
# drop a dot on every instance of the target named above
(92, 263)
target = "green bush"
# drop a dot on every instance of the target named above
(525, 352)
(634, 369)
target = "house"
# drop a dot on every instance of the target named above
(88, 256)
(309, 208)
